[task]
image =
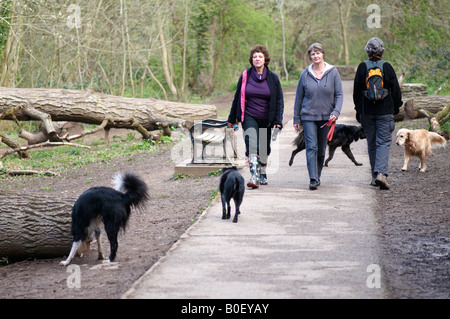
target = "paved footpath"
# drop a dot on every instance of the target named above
(290, 242)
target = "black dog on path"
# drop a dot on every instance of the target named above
(343, 136)
(232, 185)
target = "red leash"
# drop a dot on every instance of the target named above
(331, 124)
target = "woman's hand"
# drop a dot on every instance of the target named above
(333, 118)
(231, 128)
(297, 126)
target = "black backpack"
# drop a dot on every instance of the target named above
(374, 81)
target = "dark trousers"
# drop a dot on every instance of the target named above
(378, 130)
(315, 145)
(257, 136)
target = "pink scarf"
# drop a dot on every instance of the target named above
(244, 83)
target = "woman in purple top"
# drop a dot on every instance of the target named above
(258, 105)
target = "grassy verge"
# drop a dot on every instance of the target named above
(63, 158)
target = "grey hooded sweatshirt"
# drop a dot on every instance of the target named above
(315, 99)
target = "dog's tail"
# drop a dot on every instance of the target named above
(436, 139)
(134, 188)
(299, 140)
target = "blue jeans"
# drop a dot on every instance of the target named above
(316, 146)
(378, 130)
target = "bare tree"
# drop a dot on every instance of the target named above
(166, 62)
(185, 39)
(10, 54)
(344, 13)
(284, 40)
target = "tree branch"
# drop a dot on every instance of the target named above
(45, 144)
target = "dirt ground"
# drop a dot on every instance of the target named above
(173, 207)
(414, 221)
(413, 218)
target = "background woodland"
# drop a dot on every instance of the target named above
(186, 50)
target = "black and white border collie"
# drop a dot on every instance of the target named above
(107, 205)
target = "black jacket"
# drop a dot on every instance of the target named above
(389, 105)
(276, 104)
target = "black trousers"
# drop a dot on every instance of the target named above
(257, 137)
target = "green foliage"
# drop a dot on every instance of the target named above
(4, 23)
(4, 260)
(165, 139)
(214, 193)
(62, 158)
(203, 13)
(224, 31)
(215, 173)
(178, 176)
(422, 43)
(446, 126)
(122, 56)
(431, 67)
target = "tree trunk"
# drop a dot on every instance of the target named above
(185, 38)
(431, 103)
(34, 226)
(412, 90)
(438, 119)
(90, 107)
(344, 22)
(284, 40)
(10, 55)
(165, 63)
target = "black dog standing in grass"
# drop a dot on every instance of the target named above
(232, 185)
(343, 136)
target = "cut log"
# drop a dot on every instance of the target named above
(91, 107)
(33, 225)
(410, 113)
(412, 90)
(431, 103)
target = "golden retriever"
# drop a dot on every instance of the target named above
(418, 143)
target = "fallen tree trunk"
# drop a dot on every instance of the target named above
(437, 120)
(412, 90)
(34, 226)
(443, 115)
(431, 103)
(90, 107)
